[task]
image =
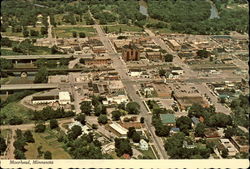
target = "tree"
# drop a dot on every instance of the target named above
(133, 108)
(94, 126)
(122, 146)
(174, 144)
(25, 33)
(162, 130)
(184, 123)
(81, 118)
(103, 119)
(229, 132)
(106, 29)
(15, 120)
(142, 120)
(40, 128)
(116, 115)
(199, 130)
(130, 132)
(47, 155)
(86, 107)
(203, 53)
(19, 154)
(82, 35)
(28, 136)
(3, 145)
(224, 153)
(74, 132)
(53, 123)
(44, 31)
(74, 34)
(41, 76)
(34, 33)
(136, 137)
(162, 72)
(168, 58)
(55, 50)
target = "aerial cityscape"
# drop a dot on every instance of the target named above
(116, 79)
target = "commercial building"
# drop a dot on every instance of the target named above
(120, 43)
(116, 99)
(64, 98)
(168, 119)
(130, 53)
(44, 99)
(154, 56)
(229, 146)
(178, 70)
(173, 44)
(241, 143)
(117, 129)
(98, 61)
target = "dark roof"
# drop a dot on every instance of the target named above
(177, 68)
(45, 97)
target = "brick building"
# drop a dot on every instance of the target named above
(130, 53)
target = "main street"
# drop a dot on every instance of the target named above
(121, 68)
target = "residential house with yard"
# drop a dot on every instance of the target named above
(241, 143)
(168, 119)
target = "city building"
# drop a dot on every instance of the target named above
(116, 99)
(168, 119)
(118, 44)
(154, 56)
(178, 70)
(98, 61)
(44, 99)
(117, 129)
(229, 146)
(241, 143)
(130, 53)
(64, 98)
(143, 145)
(173, 44)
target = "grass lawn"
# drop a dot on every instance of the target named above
(24, 65)
(49, 142)
(66, 31)
(6, 52)
(124, 28)
(155, 151)
(16, 109)
(5, 133)
(20, 80)
(5, 79)
(148, 153)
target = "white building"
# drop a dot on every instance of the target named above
(143, 145)
(64, 98)
(116, 99)
(118, 130)
(229, 146)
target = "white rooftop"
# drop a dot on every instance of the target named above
(64, 96)
(119, 128)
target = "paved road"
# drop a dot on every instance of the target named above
(121, 68)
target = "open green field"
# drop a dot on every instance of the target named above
(148, 153)
(124, 28)
(20, 80)
(66, 31)
(15, 109)
(49, 142)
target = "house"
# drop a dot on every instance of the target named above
(168, 119)
(116, 99)
(174, 130)
(108, 148)
(117, 129)
(130, 53)
(64, 98)
(195, 121)
(143, 145)
(211, 133)
(188, 146)
(229, 146)
(241, 143)
(154, 56)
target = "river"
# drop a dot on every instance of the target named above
(143, 8)
(214, 12)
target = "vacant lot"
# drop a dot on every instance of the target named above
(66, 31)
(49, 142)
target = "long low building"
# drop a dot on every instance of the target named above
(27, 86)
(117, 129)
